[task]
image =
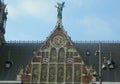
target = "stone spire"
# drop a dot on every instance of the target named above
(59, 15)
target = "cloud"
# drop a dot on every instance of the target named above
(34, 8)
(37, 8)
(40, 8)
(96, 27)
(12, 11)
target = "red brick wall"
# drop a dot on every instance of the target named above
(36, 59)
(85, 79)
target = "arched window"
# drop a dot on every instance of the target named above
(61, 55)
(53, 55)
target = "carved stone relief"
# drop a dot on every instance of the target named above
(58, 41)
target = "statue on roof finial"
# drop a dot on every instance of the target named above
(59, 9)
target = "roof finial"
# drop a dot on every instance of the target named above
(59, 10)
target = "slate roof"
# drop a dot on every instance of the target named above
(22, 53)
(106, 49)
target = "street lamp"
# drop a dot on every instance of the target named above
(88, 53)
(8, 62)
(98, 52)
(108, 63)
(103, 64)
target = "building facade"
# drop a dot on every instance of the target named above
(59, 60)
(56, 62)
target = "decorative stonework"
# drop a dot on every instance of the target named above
(58, 41)
(57, 62)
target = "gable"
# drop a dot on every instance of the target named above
(57, 60)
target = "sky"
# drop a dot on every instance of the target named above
(82, 19)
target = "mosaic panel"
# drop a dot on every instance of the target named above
(60, 73)
(52, 71)
(43, 77)
(77, 73)
(35, 72)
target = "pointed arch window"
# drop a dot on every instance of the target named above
(53, 55)
(61, 55)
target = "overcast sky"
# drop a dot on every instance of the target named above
(82, 19)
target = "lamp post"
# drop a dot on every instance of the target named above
(98, 52)
(103, 64)
(100, 63)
